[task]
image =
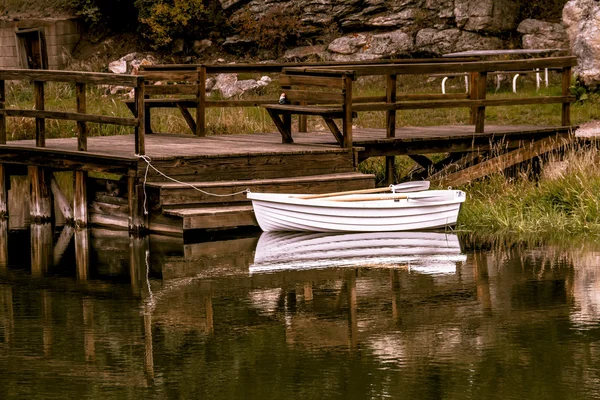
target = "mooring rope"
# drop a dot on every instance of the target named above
(149, 165)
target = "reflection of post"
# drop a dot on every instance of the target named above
(3, 244)
(62, 243)
(352, 310)
(138, 246)
(47, 322)
(308, 291)
(82, 253)
(6, 310)
(482, 280)
(395, 285)
(210, 327)
(148, 353)
(89, 340)
(41, 249)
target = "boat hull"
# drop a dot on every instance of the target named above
(423, 210)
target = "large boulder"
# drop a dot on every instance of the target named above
(542, 35)
(368, 46)
(492, 16)
(582, 21)
(440, 42)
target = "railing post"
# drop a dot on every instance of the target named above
(140, 129)
(347, 122)
(81, 108)
(2, 116)
(566, 107)
(480, 113)
(40, 123)
(391, 126)
(201, 102)
(473, 96)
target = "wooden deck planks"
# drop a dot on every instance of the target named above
(161, 146)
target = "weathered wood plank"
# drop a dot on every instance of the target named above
(176, 194)
(80, 203)
(201, 106)
(3, 192)
(61, 200)
(81, 109)
(187, 117)
(140, 129)
(566, 106)
(101, 119)
(348, 114)
(215, 217)
(314, 97)
(2, 116)
(455, 67)
(503, 161)
(69, 76)
(40, 122)
(164, 90)
(410, 105)
(40, 203)
(245, 167)
(321, 81)
(339, 136)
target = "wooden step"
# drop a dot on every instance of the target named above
(251, 166)
(169, 194)
(224, 217)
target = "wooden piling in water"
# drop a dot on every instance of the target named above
(80, 210)
(40, 201)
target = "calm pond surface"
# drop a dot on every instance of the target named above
(98, 315)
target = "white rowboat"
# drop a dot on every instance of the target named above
(428, 209)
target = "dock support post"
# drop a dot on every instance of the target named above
(82, 253)
(39, 199)
(390, 161)
(137, 217)
(3, 245)
(80, 211)
(4, 179)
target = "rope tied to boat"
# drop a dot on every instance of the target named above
(149, 165)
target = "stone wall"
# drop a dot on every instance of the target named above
(62, 35)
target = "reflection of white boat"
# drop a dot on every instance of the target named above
(428, 252)
(357, 213)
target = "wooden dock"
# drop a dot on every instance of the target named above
(172, 183)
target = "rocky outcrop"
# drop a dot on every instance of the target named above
(492, 16)
(543, 35)
(582, 21)
(372, 29)
(366, 46)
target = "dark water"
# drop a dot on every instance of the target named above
(99, 315)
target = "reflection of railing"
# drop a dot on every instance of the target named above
(81, 80)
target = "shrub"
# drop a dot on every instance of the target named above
(166, 20)
(274, 30)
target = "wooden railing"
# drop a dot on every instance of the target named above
(476, 98)
(196, 74)
(80, 116)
